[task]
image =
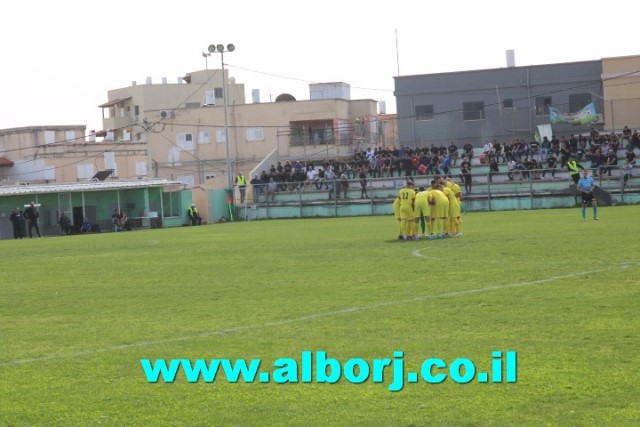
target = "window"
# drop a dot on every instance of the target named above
(86, 171)
(50, 173)
(204, 137)
(49, 136)
(578, 101)
(185, 141)
(542, 105)
(173, 157)
(218, 92)
(507, 103)
(424, 112)
(221, 136)
(69, 136)
(141, 168)
(473, 110)
(110, 162)
(209, 98)
(255, 134)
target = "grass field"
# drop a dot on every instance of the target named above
(78, 313)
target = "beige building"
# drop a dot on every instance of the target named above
(44, 154)
(621, 84)
(192, 145)
(185, 125)
(124, 114)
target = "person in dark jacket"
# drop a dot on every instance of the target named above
(18, 223)
(31, 214)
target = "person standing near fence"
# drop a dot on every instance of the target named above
(194, 216)
(465, 173)
(574, 169)
(256, 184)
(241, 182)
(363, 184)
(18, 223)
(31, 214)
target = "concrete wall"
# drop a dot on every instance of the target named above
(447, 92)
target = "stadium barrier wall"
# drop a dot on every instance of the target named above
(498, 194)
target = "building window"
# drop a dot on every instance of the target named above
(86, 171)
(255, 134)
(204, 137)
(141, 168)
(218, 92)
(542, 105)
(221, 136)
(49, 136)
(473, 110)
(185, 141)
(209, 98)
(507, 103)
(50, 173)
(578, 101)
(424, 112)
(69, 136)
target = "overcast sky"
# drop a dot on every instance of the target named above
(60, 58)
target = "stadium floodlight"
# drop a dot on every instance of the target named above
(221, 49)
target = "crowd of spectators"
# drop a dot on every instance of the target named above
(523, 160)
(532, 160)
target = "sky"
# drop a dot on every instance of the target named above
(59, 59)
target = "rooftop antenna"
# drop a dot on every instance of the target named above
(397, 53)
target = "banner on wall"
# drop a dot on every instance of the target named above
(582, 117)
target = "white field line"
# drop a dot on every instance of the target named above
(501, 260)
(332, 313)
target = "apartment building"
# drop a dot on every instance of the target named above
(46, 154)
(184, 124)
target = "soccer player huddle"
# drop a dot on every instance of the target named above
(435, 211)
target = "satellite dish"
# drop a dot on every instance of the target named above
(232, 80)
(163, 114)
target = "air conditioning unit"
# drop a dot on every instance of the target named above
(110, 136)
(167, 114)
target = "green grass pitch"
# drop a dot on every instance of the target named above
(78, 313)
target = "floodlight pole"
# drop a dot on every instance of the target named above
(206, 60)
(221, 49)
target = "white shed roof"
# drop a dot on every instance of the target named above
(10, 190)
